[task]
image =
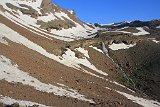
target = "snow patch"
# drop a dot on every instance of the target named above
(155, 41)
(47, 18)
(122, 86)
(158, 27)
(99, 50)
(17, 38)
(83, 51)
(71, 11)
(123, 28)
(61, 15)
(141, 31)
(78, 32)
(120, 46)
(8, 101)
(141, 101)
(71, 60)
(108, 88)
(27, 19)
(9, 72)
(67, 59)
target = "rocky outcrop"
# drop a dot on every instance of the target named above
(48, 6)
(29, 11)
(2, 9)
(56, 24)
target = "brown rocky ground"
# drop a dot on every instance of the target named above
(39, 67)
(140, 63)
(50, 71)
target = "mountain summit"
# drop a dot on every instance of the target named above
(50, 58)
(47, 16)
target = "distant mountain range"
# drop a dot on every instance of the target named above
(136, 23)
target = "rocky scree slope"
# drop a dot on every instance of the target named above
(140, 63)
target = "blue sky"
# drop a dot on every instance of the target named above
(109, 11)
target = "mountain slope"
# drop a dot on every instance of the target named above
(46, 16)
(39, 66)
